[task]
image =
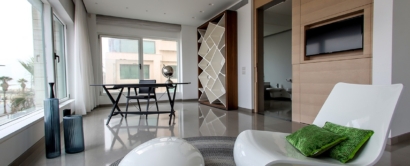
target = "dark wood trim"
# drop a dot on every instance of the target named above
(231, 45)
(214, 20)
(260, 104)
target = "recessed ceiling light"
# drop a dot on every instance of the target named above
(146, 10)
(126, 8)
(201, 11)
(96, 3)
(193, 17)
(211, 4)
(165, 13)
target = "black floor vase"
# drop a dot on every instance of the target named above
(52, 125)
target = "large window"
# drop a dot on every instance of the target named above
(124, 62)
(22, 75)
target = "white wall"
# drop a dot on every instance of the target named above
(188, 50)
(245, 59)
(382, 41)
(277, 59)
(400, 64)
(391, 55)
(13, 147)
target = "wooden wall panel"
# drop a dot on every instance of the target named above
(318, 79)
(317, 9)
(296, 31)
(306, 1)
(296, 93)
(315, 77)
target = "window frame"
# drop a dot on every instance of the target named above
(63, 61)
(140, 52)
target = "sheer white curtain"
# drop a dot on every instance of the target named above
(85, 100)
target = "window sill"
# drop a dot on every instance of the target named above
(14, 127)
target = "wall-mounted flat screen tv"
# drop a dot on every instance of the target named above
(339, 36)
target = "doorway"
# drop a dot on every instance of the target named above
(275, 59)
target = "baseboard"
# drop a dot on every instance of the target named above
(245, 109)
(19, 160)
(398, 139)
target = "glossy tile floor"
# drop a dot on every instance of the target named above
(278, 109)
(105, 144)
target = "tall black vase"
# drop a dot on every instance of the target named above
(52, 125)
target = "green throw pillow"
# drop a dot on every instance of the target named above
(346, 150)
(313, 140)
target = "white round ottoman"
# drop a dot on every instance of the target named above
(164, 151)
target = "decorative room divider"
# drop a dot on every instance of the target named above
(217, 61)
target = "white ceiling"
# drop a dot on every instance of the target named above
(278, 18)
(168, 11)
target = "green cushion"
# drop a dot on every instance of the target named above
(346, 150)
(312, 140)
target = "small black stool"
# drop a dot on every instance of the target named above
(73, 133)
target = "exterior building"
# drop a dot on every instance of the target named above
(121, 61)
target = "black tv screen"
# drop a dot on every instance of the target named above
(339, 36)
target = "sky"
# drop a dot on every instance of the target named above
(16, 40)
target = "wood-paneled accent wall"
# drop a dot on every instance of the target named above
(314, 77)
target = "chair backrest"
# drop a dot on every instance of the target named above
(146, 89)
(366, 107)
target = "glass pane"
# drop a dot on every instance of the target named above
(166, 53)
(129, 71)
(22, 77)
(149, 47)
(146, 71)
(175, 68)
(120, 60)
(59, 49)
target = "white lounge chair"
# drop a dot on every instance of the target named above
(360, 106)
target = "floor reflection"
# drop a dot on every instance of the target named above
(105, 144)
(212, 122)
(123, 133)
(281, 109)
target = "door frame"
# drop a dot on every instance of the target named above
(259, 7)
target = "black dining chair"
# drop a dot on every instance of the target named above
(143, 94)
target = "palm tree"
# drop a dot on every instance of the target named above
(29, 66)
(22, 82)
(5, 87)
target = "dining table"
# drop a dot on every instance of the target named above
(115, 110)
